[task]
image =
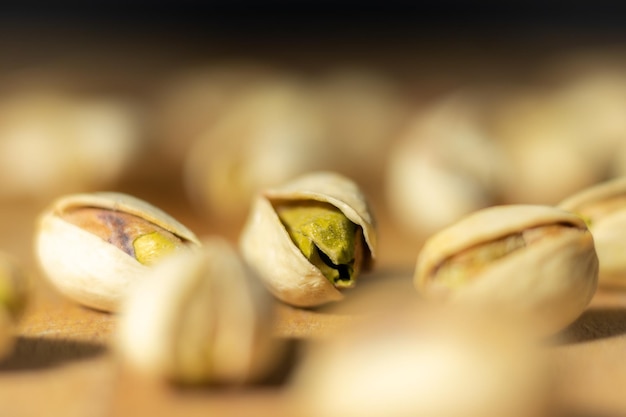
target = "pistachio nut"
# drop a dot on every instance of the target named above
(428, 362)
(269, 135)
(538, 262)
(310, 238)
(540, 134)
(199, 317)
(52, 142)
(92, 246)
(603, 207)
(13, 296)
(445, 165)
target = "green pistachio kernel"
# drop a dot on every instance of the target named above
(139, 238)
(151, 248)
(326, 238)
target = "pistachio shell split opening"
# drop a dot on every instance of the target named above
(603, 207)
(199, 317)
(310, 238)
(536, 262)
(91, 247)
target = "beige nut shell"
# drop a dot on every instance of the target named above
(267, 247)
(86, 268)
(551, 281)
(199, 317)
(428, 362)
(607, 229)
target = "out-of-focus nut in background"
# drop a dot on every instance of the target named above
(364, 112)
(53, 142)
(272, 134)
(445, 165)
(189, 101)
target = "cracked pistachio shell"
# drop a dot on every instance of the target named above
(535, 261)
(96, 270)
(603, 207)
(13, 296)
(268, 248)
(199, 317)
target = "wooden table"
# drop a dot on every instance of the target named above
(63, 365)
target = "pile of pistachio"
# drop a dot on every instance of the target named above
(490, 287)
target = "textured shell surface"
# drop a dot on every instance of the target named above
(550, 279)
(85, 267)
(268, 248)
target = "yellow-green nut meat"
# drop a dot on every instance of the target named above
(310, 238)
(13, 297)
(199, 317)
(93, 246)
(537, 262)
(603, 207)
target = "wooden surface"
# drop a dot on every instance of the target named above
(62, 363)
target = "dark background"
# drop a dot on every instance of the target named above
(323, 18)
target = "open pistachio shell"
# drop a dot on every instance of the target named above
(199, 317)
(603, 207)
(268, 248)
(92, 246)
(535, 261)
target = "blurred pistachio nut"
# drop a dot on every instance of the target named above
(310, 238)
(445, 165)
(13, 297)
(435, 362)
(537, 262)
(269, 135)
(53, 142)
(199, 317)
(603, 207)
(92, 246)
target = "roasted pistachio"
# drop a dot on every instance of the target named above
(444, 166)
(326, 238)
(536, 261)
(541, 130)
(270, 134)
(427, 362)
(603, 207)
(309, 238)
(92, 246)
(199, 317)
(13, 296)
(52, 142)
